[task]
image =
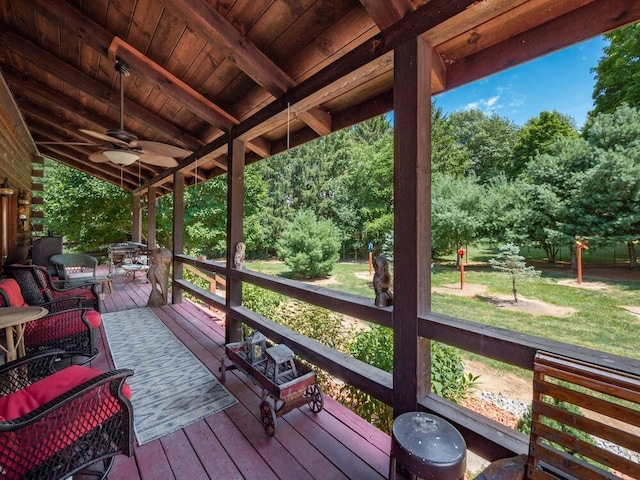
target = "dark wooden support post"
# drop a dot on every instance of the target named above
(136, 219)
(178, 233)
(151, 217)
(412, 221)
(235, 214)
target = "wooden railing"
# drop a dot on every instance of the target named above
(483, 435)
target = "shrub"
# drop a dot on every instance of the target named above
(310, 247)
(375, 346)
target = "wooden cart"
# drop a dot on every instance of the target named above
(290, 391)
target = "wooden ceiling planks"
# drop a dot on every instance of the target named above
(244, 54)
(145, 24)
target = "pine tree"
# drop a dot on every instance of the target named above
(512, 263)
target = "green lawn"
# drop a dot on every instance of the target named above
(599, 323)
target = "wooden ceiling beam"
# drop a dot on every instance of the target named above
(28, 87)
(103, 41)
(413, 24)
(171, 85)
(319, 120)
(386, 12)
(205, 20)
(576, 26)
(91, 87)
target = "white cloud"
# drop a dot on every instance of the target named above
(486, 105)
(492, 101)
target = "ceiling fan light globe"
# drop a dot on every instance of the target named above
(122, 157)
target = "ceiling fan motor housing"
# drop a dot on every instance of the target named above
(122, 135)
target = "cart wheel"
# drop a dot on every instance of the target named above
(268, 418)
(314, 394)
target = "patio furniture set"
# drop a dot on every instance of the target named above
(57, 416)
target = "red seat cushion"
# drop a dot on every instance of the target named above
(59, 325)
(22, 402)
(24, 449)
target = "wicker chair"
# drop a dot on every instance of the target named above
(76, 420)
(72, 330)
(74, 268)
(38, 287)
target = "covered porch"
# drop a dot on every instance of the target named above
(232, 443)
(319, 68)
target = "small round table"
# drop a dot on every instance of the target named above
(13, 320)
(132, 268)
(427, 446)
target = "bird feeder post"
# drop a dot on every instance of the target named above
(460, 257)
(580, 244)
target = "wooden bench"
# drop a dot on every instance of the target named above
(608, 407)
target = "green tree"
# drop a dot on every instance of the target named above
(303, 178)
(309, 246)
(447, 154)
(206, 216)
(606, 200)
(84, 210)
(510, 262)
(506, 211)
(618, 71)
(487, 140)
(364, 193)
(457, 212)
(550, 181)
(538, 137)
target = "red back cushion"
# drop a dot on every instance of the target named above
(12, 292)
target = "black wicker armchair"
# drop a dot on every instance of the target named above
(38, 287)
(72, 330)
(54, 424)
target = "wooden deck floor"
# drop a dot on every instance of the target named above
(232, 444)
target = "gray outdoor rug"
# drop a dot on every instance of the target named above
(170, 387)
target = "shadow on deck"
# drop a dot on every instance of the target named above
(232, 444)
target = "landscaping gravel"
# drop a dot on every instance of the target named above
(519, 409)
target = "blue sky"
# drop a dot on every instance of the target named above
(559, 81)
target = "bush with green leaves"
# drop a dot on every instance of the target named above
(309, 320)
(309, 246)
(375, 347)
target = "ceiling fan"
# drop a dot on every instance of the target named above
(124, 147)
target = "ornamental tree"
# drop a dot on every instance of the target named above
(510, 262)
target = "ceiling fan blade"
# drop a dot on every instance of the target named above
(160, 149)
(66, 143)
(159, 160)
(104, 137)
(98, 157)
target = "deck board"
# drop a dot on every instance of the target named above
(334, 444)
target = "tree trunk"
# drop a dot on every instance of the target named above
(551, 251)
(633, 260)
(513, 285)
